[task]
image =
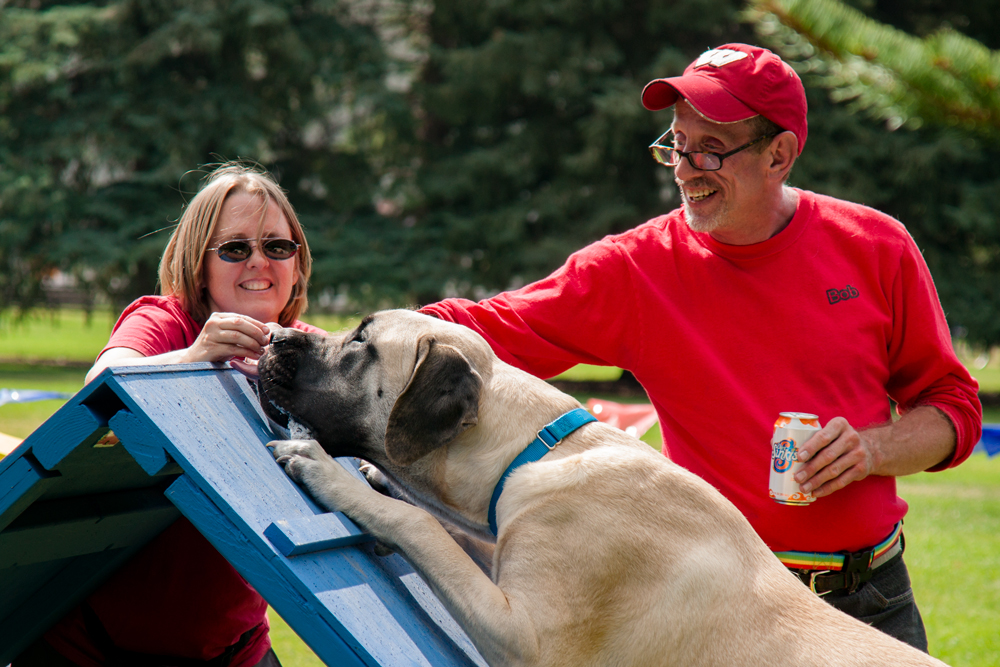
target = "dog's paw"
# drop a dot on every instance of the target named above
(308, 464)
(303, 460)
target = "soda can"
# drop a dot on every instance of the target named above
(791, 430)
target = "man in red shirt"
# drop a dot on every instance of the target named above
(755, 298)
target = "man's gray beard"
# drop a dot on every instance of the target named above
(701, 223)
(704, 224)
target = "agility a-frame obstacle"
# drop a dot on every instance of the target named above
(137, 448)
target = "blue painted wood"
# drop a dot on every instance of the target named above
(220, 446)
(68, 527)
(306, 535)
(56, 438)
(196, 433)
(70, 515)
(21, 483)
(146, 445)
(292, 602)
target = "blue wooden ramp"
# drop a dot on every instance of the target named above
(137, 448)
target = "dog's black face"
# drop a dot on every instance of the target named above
(391, 390)
(322, 383)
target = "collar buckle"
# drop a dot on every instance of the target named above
(548, 438)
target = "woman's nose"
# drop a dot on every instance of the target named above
(257, 258)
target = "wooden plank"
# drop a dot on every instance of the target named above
(146, 444)
(383, 607)
(297, 610)
(90, 469)
(22, 481)
(204, 426)
(378, 607)
(304, 535)
(72, 425)
(64, 528)
(204, 419)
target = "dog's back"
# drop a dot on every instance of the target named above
(646, 560)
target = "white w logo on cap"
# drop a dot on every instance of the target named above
(719, 57)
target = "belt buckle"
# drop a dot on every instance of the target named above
(812, 581)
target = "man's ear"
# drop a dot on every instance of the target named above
(440, 401)
(783, 150)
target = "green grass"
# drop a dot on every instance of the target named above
(20, 419)
(332, 323)
(291, 651)
(585, 373)
(989, 379)
(952, 529)
(953, 553)
(65, 336)
(59, 335)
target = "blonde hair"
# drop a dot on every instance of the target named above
(182, 264)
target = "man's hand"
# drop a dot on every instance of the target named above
(837, 454)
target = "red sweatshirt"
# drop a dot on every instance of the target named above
(833, 315)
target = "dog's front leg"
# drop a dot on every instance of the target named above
(479, 551)
(500, 628)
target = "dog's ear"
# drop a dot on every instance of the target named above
(439, 402)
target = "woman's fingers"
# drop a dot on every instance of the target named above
(243, 324)
(228, 335)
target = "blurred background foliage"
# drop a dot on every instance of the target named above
(450, 148)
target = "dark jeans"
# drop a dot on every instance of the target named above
(886, 602)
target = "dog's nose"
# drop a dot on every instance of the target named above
(285, 337)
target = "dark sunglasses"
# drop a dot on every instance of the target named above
(239, 250)
(703, 161)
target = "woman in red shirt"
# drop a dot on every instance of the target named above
(236, 267)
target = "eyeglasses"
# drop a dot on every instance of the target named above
(671, 157)
(240, 250)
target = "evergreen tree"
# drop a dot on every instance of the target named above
(941, 175)
(532, 138)
(460, 148)
(106, 108)
(945, 78)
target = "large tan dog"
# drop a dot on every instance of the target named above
(607, 553)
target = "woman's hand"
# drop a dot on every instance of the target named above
(249, 367)
(227, 336)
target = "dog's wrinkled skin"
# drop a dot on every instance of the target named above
(607, 554)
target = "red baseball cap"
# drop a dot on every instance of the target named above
(734, 82)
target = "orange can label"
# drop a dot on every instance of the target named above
(791, 431)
